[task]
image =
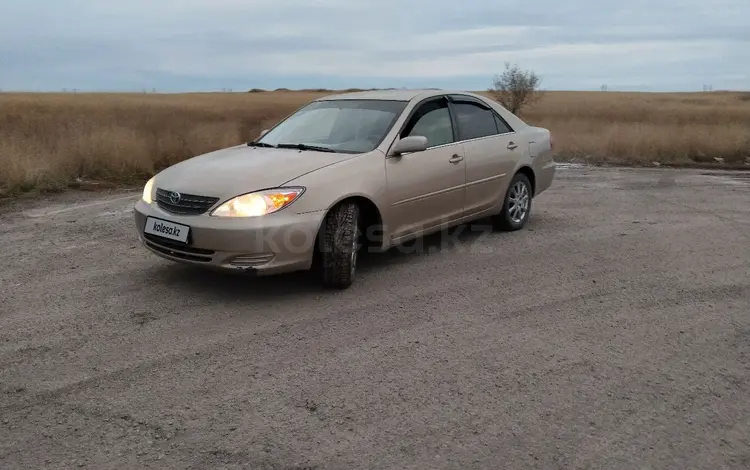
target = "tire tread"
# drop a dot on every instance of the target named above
(339, 226)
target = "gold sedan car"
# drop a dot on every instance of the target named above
(366, 169)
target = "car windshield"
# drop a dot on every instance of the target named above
(347, 126)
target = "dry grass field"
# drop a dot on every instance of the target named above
(49, 141)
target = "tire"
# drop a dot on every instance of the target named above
(340, 246)
(514, 216)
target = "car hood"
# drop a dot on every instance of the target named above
(241, 169)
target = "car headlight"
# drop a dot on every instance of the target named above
(258, 203)
(148, 192)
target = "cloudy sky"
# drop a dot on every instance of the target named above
(182, 45)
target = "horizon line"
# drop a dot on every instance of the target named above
(153, 91)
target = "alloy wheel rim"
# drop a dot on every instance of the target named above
(518, 202)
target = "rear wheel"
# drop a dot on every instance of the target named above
(517, 205)
(340, 246)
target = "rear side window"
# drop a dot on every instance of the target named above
(502, 127)
(474, 121)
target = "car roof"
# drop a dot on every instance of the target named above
(394, 95)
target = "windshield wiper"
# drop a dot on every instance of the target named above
(260, 144)
(306, 147)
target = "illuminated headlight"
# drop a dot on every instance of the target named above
(258, 203)
(148, 191)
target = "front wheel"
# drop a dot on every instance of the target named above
(516, 206)
(340, 245)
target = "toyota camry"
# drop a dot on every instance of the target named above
(345, 172)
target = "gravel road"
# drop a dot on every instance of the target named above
(613, 332)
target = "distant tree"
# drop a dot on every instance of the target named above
(515, 88)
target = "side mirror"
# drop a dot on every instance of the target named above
(413, 143)
(263, 132)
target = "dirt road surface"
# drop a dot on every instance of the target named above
(613, 333)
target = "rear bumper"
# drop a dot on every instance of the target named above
(544, 176)
(273, 244)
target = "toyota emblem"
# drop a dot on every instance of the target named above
(174, 197)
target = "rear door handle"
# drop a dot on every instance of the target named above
(512, 146)
(456, 158)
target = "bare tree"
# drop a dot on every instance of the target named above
(515, 88)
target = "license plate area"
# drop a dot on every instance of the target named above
(168, 230)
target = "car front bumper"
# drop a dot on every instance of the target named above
(272, 244)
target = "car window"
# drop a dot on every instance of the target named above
(474, 121)
(432, 120)
(502, 126)
(352, 126)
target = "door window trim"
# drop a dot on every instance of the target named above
(457, 98)
(451, 99)
(426, 101)
(414, 110)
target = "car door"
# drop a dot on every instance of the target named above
(426, 189)
(490, 152)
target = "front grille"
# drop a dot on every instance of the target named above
(178, 250)
(187, 204)
(177, 254)
(176, 245)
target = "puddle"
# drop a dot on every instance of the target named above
(569, 166)
(729, 177)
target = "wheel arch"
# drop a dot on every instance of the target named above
(529, 173)
(371, 218)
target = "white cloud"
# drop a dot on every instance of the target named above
(387, 41)
(408, 64)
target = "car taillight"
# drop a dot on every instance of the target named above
(551, 142)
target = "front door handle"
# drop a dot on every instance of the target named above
(456, 158)
(512, 146)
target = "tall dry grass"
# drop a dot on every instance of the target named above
(48, 141)
(638, 128)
